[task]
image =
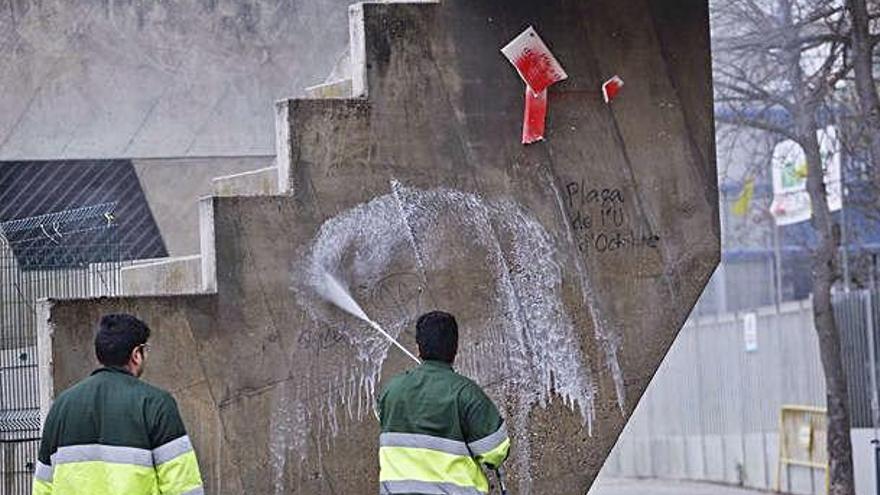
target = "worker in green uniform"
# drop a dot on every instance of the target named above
(438, 427)
(113, 434)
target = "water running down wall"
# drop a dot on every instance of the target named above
(524, 333)
(570, 264)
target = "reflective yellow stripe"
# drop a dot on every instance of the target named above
(104, 478)
(179, 475)
(407, 463)
(171, 450)
(497, 455)
(41, 488)
(489, 442)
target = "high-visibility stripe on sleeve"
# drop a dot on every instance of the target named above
(492, 449)
(428, 488)
(180, 475)
(171, 450)
(43, 472)
(489, 442)
(496, 456)
(177, 468)
(41, 487)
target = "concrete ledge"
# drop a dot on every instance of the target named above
(358, 43)
(260, 182)
(358, 46)
(283, 147)
(334, 89)
(208, 246)
(180, 275)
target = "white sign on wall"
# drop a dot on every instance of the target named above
(791, 202)
(750, 331)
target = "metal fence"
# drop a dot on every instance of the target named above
(858, 314)
(712, 410)
(73, 253)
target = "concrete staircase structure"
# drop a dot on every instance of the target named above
(571, 264)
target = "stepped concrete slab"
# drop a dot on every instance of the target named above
(260, 182)
(571, 264)
(335, 89)
(180, 275)
(172, 186)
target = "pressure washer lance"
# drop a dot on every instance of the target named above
(335, 292)
(499, 473)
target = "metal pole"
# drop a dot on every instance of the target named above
(499, 473)
(875, 398)
(843, 241)
(872, 281)
(872, 356)
(777, 262)
(876, 444)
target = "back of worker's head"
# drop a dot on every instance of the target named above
(119, 340)
(437, 336)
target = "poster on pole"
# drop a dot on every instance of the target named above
(791, 202)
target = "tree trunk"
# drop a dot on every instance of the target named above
(824, 273)
(824, 257)
(863, 68)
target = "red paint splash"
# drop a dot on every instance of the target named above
(535, 116)
(612, 88)
(537, 69)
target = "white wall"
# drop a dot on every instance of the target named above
(117, 78)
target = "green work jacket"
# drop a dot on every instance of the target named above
(114, 434)
(438, 427)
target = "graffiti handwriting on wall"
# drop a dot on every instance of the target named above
(320, 338)
(600, 222)
(397, 297)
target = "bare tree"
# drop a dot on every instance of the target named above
(778, 66)
(862, 44)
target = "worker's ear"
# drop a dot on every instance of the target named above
(137, 355)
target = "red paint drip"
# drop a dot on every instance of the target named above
(537, 69)
(611, 88)
(535, 116)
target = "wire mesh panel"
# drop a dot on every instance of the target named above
(802, 440)
(73, 253)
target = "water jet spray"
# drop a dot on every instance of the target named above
(333, 291)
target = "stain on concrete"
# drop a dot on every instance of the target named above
(421, 196)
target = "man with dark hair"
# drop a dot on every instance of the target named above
(438, 427)
(113, 433)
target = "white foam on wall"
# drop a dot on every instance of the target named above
(607, 333)
(526, 338)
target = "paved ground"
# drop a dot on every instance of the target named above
(614, 486)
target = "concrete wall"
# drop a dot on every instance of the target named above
(120, 78)
(421, 196)
(173, 186)
(712, 410)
